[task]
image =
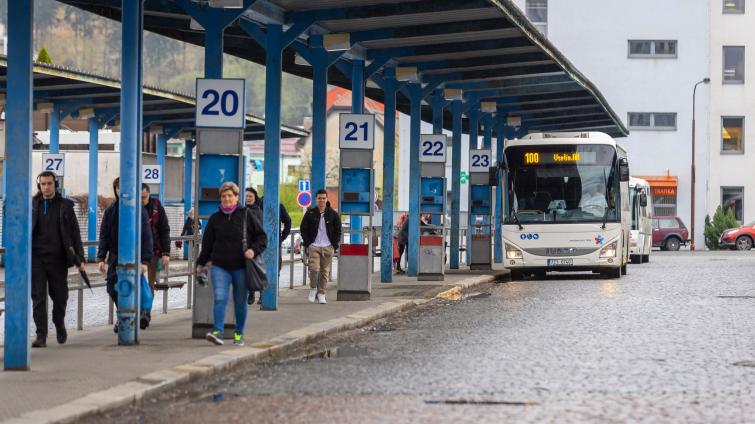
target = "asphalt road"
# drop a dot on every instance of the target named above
(673, 341)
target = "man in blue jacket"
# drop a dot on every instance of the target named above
(108, 248)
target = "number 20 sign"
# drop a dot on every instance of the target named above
(356, 131)
(432, 148)
(221, 103)
(479, 160)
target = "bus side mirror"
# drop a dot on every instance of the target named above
(623, 170)
(643, 200)
(493, 176)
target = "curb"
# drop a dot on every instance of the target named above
(132, 392)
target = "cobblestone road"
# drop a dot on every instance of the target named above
(674, 341)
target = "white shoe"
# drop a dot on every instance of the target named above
(321, 299)
(312, 294)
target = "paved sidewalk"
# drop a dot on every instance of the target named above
(91, 373)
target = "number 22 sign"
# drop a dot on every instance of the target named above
(356, 131)
(432, 148)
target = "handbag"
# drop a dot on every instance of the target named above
(254, 270)
(146, 296)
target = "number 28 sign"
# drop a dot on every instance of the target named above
(357, 131)
(432, 148)
(221, 103)
(151, 174)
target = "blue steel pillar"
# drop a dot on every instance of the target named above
(129, 205)
(456, 111)
(390, 86)
(320, 67)
(437, 103)
(188, 185)
(55, 129)
(357, 106)
(94, 147)
(271, 218)
(501, 131)
(415, 95)
(162, 147)
(18, 113)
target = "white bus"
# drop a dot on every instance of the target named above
(641, 233)
(566, 205)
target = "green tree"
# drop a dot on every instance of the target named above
(44, 57)
(722, 220)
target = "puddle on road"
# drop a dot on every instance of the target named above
(481, 402)
(336, 352)
(736, 297)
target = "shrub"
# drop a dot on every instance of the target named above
(723, 219)
(44, 57)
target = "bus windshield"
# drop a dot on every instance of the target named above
(562, 184)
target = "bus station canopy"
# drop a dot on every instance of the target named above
(487, 48)
(77, 92)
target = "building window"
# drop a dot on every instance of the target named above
(733, 198)
(537, 12)
(734, 6)
(732, 134)
(657, 121)
(661, 49)
(734, 65)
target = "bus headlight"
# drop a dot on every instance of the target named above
(512, 252)
(609, 250)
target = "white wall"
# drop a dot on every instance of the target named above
(594, 36)
(732, 170)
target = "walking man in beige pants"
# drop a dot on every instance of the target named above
(321, 233)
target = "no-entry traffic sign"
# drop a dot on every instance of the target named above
(304, 199)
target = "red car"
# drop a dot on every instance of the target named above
(669, 232)
(738, 238)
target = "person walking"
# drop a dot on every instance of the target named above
(56, 239)
(223, 252)
(321, 235)
(251, 201)
(403, 239)
(188, 228)
(107, 249)
(158, 223)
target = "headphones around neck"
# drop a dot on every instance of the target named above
(48, 174)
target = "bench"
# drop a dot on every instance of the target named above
(166, 285)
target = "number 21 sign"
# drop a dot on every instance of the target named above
(357, 131)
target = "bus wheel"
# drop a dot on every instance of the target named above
(516, 275)
(612, 273)
(635, 259)
(645, 259)
(624, 269)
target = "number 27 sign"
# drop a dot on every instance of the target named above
(357, 131)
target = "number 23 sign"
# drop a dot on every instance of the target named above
(479, 160)
(356, 131)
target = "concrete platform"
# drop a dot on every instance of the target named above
(91, 373)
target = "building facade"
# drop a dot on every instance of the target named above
(645, 56)
(732, 49)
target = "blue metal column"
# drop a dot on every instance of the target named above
(437, 103)
(213, 46)
(55, 129)
(390, 86)
(456, 110)
(129, 205)
(415, 95)
(188, 185)
(474, 128)
(18, 113)
(94, 148)
(271, 215)
(162, 147)
(319, 114)
(501, 131)
(357, 106)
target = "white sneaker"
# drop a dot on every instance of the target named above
(321, 299)
(312, 294)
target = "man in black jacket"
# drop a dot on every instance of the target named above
(56, 239)
(158, 222)
(321, 235)
(108, 247)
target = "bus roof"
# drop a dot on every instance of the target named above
(563, 138)
(638, 182)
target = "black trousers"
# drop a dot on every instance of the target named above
(53, 278)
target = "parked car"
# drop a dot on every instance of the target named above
(738, 238)
(669, 232)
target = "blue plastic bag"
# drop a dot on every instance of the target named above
(146, 295)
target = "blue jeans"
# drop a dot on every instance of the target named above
(222, 280)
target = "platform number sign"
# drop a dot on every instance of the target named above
(357, 131)
(480, 160)
(55, 163)
(221, 103)
(432, 148)
(151, 174)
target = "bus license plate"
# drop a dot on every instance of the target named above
(560, 262)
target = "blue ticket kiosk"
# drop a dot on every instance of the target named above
(480, 210)
(432, 207)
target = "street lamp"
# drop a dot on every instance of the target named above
(692, 179)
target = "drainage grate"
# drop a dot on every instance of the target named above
(749, 364)
(480, 402)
